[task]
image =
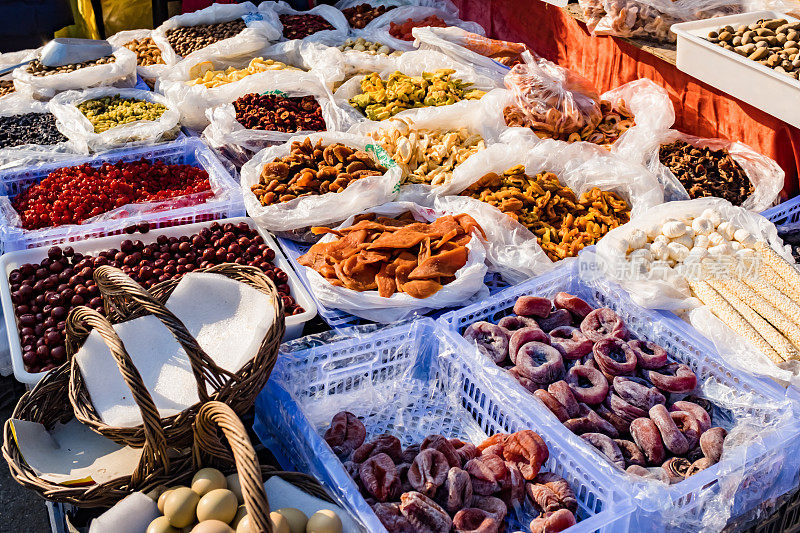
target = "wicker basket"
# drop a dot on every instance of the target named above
(124, 300)
(47, 404)
(208, 450)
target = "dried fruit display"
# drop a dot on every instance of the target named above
(432, 487)
(312, 169)
(29, 128)
(362, 14)
(37, 68)
(44, 293)
(279, 113)
(393, 254)
(301, 26)
(111, 111)
(70, 195)
(706, 172)
(381, 99)
(605, 386)
(427, 156)
(187, 39)
(402, 31)
(563, 223)
(204, 73)
(147, 52)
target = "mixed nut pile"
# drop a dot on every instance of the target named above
(393, 254)
(563, 223)
(44, 293)
(443, 484)
(362, 14)
(427, 156)
(279, 113)
(363, 45)
(402, 31)
(774, 43)
(381, 99)
(312, 169)
(205, 75)
(29, 128)
(187, 39)
(706, 172)
(111, 111)
(147, 52)
(36, 67)
(605, 385)
(301, 26)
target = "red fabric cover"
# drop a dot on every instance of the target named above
(609, 62)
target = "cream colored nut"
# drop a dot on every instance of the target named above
(685, 239)
(701, 241)
(637, 239)
(677, 251)
(712, 215)
(715, 239)
(702, 226)
(744, 237)
(726, 229)
(673, 229)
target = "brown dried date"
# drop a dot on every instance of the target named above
(388, 444)
(428, 471)
(346, 433)
(301, 26)
(424, 514)
(379, 476)
(279, 113)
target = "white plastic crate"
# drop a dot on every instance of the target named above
(752, 473)
(227, 200)
(745, 79)
(408, 380)
(10, 261)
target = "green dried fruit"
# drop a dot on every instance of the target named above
(112, 111)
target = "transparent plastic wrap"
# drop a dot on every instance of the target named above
(378, 28)
(120, 73)
(33, 154)
(10, 59)
(225, 198)
(445, 5)
(512, 249)
(431, 121)
(331, 14)
(149, 72)
(260, 30)
(409, 380)
(666, 288)
(757, 462)
(414, 64)
(356, 62)
(369, 305)
(316, 63)
(238, 143)
(81, 132)
(297, 215)
(489, 56)
(765, 175)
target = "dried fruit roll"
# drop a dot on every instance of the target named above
(731, 317)
(784, 270)
(780, 343)
(774, 315)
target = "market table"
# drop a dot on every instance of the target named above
(608, 62)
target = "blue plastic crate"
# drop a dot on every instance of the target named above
(226, 203)
(769, 469)
(416, 384)
(337, 319)
(787, 212)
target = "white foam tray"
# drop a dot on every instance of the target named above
(12, 260)
(742, 78)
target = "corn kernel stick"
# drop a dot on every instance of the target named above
(778, 342)
(730, 317)
(782, 270)
(787, 327)
(774, 296)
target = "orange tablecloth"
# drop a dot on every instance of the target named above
(609, 62)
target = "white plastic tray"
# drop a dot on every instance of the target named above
(747, 80)
(12, 260)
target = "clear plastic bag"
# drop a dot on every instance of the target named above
(512, 249)
(764, 173)
(80, 131)
(120, 73)
(225, 133)
(489, 56)
(331, 14)
(33, 154)
(369, 305)
(150, 72)
(318, 64)
(10, 59)
(329, 208)
(378, 28)
(260, 30)
(445, 5)
(667, 289)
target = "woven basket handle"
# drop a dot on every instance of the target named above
(218, 414)
(114, 284)
(80, 322)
